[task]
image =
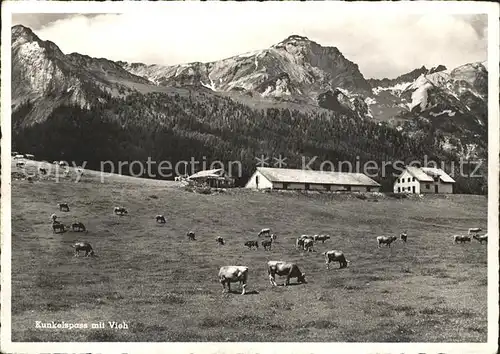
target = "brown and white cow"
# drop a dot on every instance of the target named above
(308, 245)
(220, 240)
(251, 244)
(120, 211)
(160, 219)
(281, 268)
(190, 235)
(56, 225)
(267, 244)
(63, 206)
(461, 238)
(481, 239)
(321, 238)
(474, 230)
(83, 246)
(78, 226)
(300, 240)
(233, 274)
(386, 240)
(264, 232)
(335, 256)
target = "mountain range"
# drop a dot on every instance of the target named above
(447, 107)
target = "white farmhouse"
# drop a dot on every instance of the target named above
(422, 180)
(285, 178)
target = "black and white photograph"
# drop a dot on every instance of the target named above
(250, 177)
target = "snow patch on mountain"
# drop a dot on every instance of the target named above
(396, 89)
(446, 111)
(419, 96)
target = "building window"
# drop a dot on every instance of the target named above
(414, 179)
(348, 188)
(427, 186)
(327, 187)
(399, 180)
(285, 185)
(402, 180)
(307, 186)
(257, 181)
(399, 189)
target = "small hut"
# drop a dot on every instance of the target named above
(216, 178)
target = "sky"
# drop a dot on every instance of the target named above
(383, 44)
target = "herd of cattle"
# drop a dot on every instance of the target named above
(20, 162)
(233, 274)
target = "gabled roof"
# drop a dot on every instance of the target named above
(438, 172)
(419, 174)
(218, 172)
(316, 177)
(427, 174)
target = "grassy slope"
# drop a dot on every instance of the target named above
(165, 287)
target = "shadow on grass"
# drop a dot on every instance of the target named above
(252, 292)
(247, 321)
(103, 335)
(320, 324)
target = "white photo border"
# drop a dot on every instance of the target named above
(417, 7)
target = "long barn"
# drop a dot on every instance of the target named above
(294, 179)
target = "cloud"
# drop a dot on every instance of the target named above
(382, 44)
(36, 21)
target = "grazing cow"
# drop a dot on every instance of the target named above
(274, 237)
(251, 244)
(83, 246)
(233, 274)
(290, 270)
(29, 156)
(267, 244)
(321, 238)
(58, 226)
(220, 240)
(19, 156)
(303, 237)
(481, 238)
(308, 245)
(403, 236)
(42, 170)
(474, 230)
(14, 153)
(264, 232)
(53, 217)
(120, 211)
(190, 234)
(55, 162)
(461, 238)
(300, 240)
(20, 164)
(78, 226)
(160, 219)
(63, 206)
(386, 240)
(335, 256)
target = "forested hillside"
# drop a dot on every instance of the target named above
(177, 128)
